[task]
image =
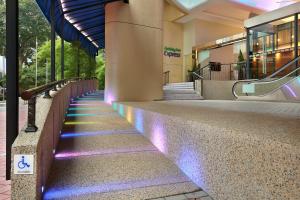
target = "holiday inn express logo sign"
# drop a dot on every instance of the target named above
(172, 52)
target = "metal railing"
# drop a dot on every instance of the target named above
(219, 71)
(269, 84)
(166, 77)
(197, 76)
(31, 95)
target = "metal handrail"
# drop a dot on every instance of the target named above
(28, 94)
(31, 94)
(201, 78)
(201, 68)
(283, 67)
(201, 73)
(198, 75)
(166, 76)
(267, 80)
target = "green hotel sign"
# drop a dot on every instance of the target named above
(172, 52)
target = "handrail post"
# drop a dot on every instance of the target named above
(12, 102)
(296, 40)
(194, 80)
(230, 68)
(31, 127)
(202, 87)
(248, 75)
(47, 95)
(52, 19)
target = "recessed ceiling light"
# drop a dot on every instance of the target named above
(190, 4)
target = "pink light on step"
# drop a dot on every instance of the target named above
(109, 98)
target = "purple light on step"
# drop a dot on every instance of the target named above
(109, 98)
(190, 162)
(291, 91)
(158, 137)
(69, 155)
(75, 191)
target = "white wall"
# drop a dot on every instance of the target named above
(211, 31)
(200, 32)
(189, 37)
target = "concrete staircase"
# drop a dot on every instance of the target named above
(101, 156)
(181, 91)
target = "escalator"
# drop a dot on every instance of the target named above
(282, 85)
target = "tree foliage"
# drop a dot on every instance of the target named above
(32, 26)
(2, 27)
(73, 55)
(100, 70)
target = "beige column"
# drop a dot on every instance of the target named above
(134, 54)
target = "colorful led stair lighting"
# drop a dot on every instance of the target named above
(101, 156)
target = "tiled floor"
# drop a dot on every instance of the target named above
(5, 185)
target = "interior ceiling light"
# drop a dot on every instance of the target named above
(190, 4)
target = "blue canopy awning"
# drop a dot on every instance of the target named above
(79, 20)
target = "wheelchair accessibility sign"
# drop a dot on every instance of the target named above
(23, 164)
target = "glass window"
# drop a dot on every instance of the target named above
(271, 46)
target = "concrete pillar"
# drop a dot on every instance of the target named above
(134, 52)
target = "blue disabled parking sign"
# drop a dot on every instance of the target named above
(23, 164)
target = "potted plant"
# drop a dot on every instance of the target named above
(191, 77)
(237, 72)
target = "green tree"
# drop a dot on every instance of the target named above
(32, 26)
(72, 57)
(88, 66)
(2, 27)
(100, 70)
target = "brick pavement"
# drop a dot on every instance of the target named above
(5, 185)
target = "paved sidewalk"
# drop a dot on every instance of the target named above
(5, 185)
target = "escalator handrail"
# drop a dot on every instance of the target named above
(274, 90)
(283, 67)
(267, 79)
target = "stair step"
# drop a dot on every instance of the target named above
(101, 156)
(178, 88)
(95, 176)
(183, 97)
(183, 91)
(181, 83)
